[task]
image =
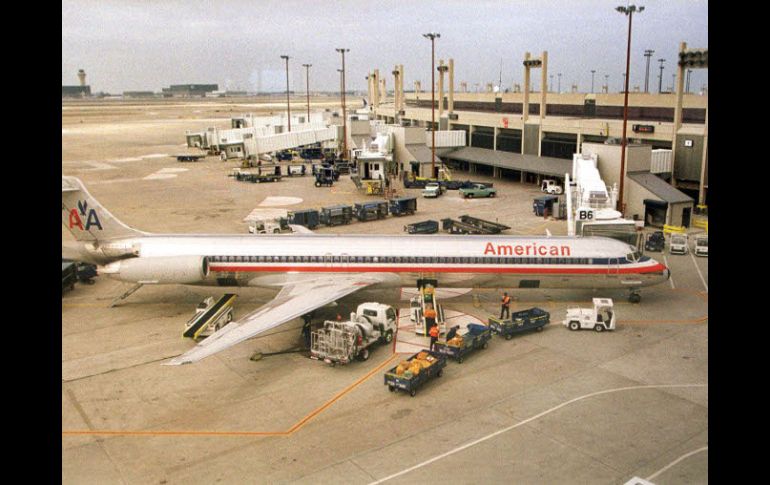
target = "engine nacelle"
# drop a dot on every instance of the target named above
(159, 270)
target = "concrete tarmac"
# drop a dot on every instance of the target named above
(546, 407)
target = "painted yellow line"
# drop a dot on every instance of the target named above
(291, 430)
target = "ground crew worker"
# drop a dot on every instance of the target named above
(505, 308)
(433, 336)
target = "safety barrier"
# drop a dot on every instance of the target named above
(701, 223)
(673, 229)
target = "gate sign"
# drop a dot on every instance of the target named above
(505, 122)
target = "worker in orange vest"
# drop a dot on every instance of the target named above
(433, 336)
(506, 306)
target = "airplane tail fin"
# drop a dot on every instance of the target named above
(85, 218)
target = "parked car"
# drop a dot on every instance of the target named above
(702, 245)
(478, 190)
(678, 244)
(433, 189)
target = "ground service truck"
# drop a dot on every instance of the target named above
(342, 341)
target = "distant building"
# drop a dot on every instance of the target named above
(75, 91)
(139, 94)
(189, 90)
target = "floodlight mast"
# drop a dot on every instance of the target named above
(629, 12)
(432, 36)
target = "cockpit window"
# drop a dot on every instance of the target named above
(633, 256)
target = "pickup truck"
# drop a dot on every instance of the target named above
(433, 189)
(478, 190)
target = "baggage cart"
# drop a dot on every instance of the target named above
(307, 217)
(423, 227)
(411, 382)
(477, 337)
(369, 211)
(488, 226)
(403, 206)
(520, 322)
(336, 215)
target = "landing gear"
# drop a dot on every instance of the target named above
(634, 297)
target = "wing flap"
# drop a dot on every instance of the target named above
(294, 300)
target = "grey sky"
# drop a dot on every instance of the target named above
(146, 45)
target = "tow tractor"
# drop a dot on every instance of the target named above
(656, 241)
(600, 318)
(210, 316)
(678, 244)
(702, 245)
(551, 187)
(340, 342)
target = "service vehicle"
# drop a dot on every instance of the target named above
(458, 346)
(210, 315)
(340, 342)
(324, 176)
(292, 170)
(702, 245)
(189, 158)
(336, 215)
(369, 211)
(69, 275)
(412, 373)
(273, 226)
(284, 155)
(551, 187)
(678, 244)
(600, 318)
(86, 273)
(422, 227)
(520, 322)
(478, 190)
(305, 217)
(311, 154)
(433, 189)
(656, 241)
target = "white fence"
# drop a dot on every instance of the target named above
(446, 138)
(661, 161)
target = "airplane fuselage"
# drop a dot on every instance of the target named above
(467, 261)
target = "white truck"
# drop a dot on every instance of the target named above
(341, 342)
(678, 244)
(600, 318)
(551, 187)
(432, 190)
(269, 226)
(702, 245)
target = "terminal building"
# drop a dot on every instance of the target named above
(80, 91)
(189, 90)
(533, 135)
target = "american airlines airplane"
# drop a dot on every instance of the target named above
(313, 270)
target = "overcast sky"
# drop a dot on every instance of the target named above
(146, 45)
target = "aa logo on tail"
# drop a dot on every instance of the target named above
(91, 220)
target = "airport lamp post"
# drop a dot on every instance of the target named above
(432, 36)
(551, 87)
(307, 84)
(344, 115)
(629, 12)
(607, 83)
(559, 88)
(288, 105)
(592, 79)
(647, 53)
(660, 78)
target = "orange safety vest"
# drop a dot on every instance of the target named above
(434, 331)
(506, 300)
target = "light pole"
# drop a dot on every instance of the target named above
(288, 106)
(592, 80)
(689, 71)
(307, 83)
(673, 81)
(344, 115)
(628, 11)
(607, 83)
(624, 83)
(559, 88)
(660, 78)
(647, 53)
(551, 88)
(432, 36)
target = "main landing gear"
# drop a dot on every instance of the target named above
(634, 296)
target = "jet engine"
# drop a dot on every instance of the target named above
(159, 270)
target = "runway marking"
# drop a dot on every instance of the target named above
(670, 278)
(698, 270)
(528, 420)
(294, 428)
(686, 455)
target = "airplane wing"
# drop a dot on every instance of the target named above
(294, 300)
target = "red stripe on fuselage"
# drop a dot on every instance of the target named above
(428, 269)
